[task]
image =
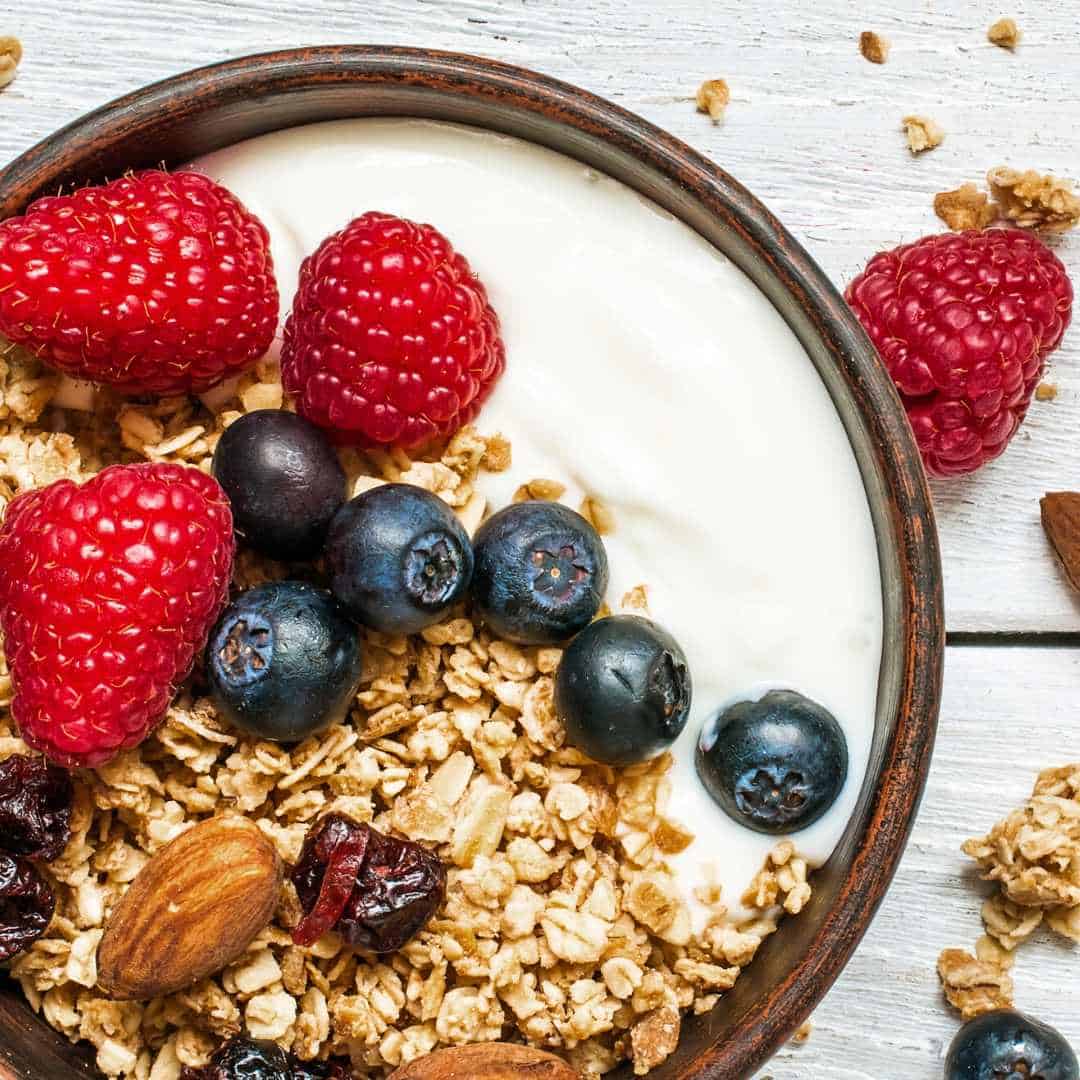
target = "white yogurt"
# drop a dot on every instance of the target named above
(645, 369)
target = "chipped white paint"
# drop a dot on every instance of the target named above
(813, 129)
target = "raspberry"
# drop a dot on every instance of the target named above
(107, 592)
(964, 322)
(391, 340)
(155, 283)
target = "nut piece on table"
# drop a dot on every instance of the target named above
(1061, 522)
(922, 133)
(191, 910)
(973, 986)
(10, 55)
(874, 47)
(965, 208)
(1005, 34)
(487, 1061)
(1033, 200)
(712, 97)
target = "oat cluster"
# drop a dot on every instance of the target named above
(712, 97)
(1004, 33)
(10, 55)
(1030, 200)
(922, 133)
(1033, 855)
(562, 926)
(874, 47)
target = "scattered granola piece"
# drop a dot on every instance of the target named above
(1005, 34)
(922, 133)
(965, 208)
(803, 1033)
(539, 489)
(1061, 522)
(598, 514)
(712, 97)
(654, 1038)
(1033, 200)
(1046, 391)
(10, 55)
(874, 47)
(973, 986)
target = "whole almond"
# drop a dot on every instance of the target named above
(191, 910)
(486, 1061)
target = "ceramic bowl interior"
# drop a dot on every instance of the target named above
(192, 114)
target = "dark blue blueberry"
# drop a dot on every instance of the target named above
(541, 572)
(1006, 1045)
(283, 661)
(283, 479)
(623, 690)
(775, 765)
(398, 558)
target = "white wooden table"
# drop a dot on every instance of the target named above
(812, 129)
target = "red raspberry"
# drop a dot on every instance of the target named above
(391, 339)
(963, 322)
(107, 591)
(156, 283)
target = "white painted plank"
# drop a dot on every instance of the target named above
(1007, 714)
(812, 128)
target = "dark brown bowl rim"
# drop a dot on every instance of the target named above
(891, 797)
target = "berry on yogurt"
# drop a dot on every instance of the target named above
(777, 764)
(283, 661)
(1007, 1045)
(398, 558)
(284, 482)
(541, 572)
(623, 690)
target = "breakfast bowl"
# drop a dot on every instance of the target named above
(202, 112)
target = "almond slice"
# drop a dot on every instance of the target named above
(1061, 521)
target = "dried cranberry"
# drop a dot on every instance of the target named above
(396, 885)
(35, 807)
(26, 905)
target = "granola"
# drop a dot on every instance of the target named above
(562, 924)
(922, 133)
(10, 55)
(1004, 33)
(965, 208)
(1033, 200)
(874, 47)
(1033, 856)
(712, 97)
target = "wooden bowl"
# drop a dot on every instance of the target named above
(183, 117)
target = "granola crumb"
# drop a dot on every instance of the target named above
(712, 97)
(1046, 391)
(973, 986)
(922, 133)
(965, 208)
(802, 1035)
(10, 55)
(1034, 200)
(874, 47)
(1005, 34)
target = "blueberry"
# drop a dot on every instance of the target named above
(1006, 1045)
(623, 690)
(245, 1059)
(283, 661)
(398, 558)
(283, 479)
(541, 573)
(775, 765)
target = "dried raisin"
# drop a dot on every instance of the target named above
(35, 807)
(26, 905)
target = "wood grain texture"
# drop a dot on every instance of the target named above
(813, 130)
